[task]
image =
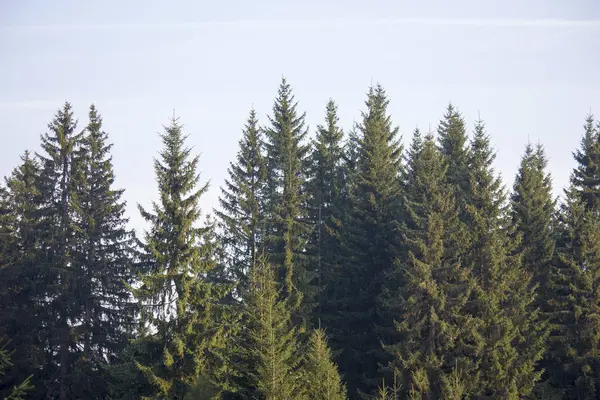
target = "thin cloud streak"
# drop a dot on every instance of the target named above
(307, 24)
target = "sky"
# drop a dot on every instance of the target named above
(529, 69)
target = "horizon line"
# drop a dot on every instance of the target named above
(306, 23)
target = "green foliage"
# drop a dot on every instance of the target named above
(370, 237)
(286, 197)
(271, 352)
(20, 391)
(326, 186)
(242, 218)
(585, 177)
(321, 375)
(178, 300)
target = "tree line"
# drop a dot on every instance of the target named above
(334, 267)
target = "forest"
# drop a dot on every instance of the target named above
(338, 264)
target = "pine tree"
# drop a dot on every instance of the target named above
(60, 151)
(370, 244)
(321, 375)
(427, 291)
(514, 337)
(288, 225)
(177, 298)
(270, 347)
(242, 211)
(104, 255)
(585, 178)
(326, 190)
(22, 282)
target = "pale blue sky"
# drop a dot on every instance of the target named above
(529, 67)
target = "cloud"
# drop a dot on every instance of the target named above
(306, 24)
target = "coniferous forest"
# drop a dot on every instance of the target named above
(338, 264)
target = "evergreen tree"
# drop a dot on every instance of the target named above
(270, 347)
(427, 291)
(55, 224)
(326, 191)
(532, 209)
(177, 298)
(321, 376)
(453, 144)
(104, 255)
(512, 332)
(585, 179)
(20, 391)
(22, 282)
(370, 244)
(242, 211)
(288, 224)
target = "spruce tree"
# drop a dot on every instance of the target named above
(271, 359)
(321, 375)
(326, 185)
(19, 391)
(55, 223)
(288, 224)
(242, 214)
(427, 292)
(370, 238)
(104, 255)
(532, 210)
(585, 178)
(22, 277)
(453, 144)
(512, 332)
(178, 300)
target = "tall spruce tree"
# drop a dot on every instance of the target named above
(585, 178)
(56, 189)
(242, 214)
(288, 223)
(22, 278)
(177, 298)
(512, 333)
(104, 256)
(370, 238)
(533, 210)
(427, 291)
(326, 185)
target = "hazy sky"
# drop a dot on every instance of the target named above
(530, 68)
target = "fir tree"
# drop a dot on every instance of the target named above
(60, 151)
(532, 209)
(288, 225)
(20, 391)
(321, 375)
(370, 244)
(104, 256)
(326, 190)
(177, 298)
(575, 366)
(242, 211)
(270, 349)
(22, 278)
(514, 337)
(453, 144)
(427, 291)
(585, 178)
